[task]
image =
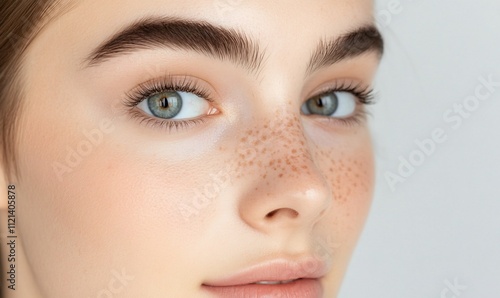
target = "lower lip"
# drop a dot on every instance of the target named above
(303, 288)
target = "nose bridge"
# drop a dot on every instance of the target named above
(286, 185)
(290, 152)
(276, 145)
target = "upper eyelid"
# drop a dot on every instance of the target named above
(347, 84)
(339, 85)
(178, 82)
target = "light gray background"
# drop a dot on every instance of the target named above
(443, 222)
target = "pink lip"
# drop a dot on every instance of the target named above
(305, 273)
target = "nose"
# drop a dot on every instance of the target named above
(288, 189)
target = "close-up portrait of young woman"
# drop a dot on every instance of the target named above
(184, 148)
(249, 148)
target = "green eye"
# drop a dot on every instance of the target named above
(336, 104)
(165, 105)
(322, 105)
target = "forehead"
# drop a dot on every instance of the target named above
(226, 11)
(272, 22)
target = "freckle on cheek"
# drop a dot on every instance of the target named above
(350, 178)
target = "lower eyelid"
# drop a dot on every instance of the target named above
(352, 121)
(357, 118)
(171, 126)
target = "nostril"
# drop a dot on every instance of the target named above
(271, 214)
(287, 212)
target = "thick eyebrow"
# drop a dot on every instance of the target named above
(177, 34)
(352, 44)
(225, 44)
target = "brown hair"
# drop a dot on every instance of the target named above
(20, 22)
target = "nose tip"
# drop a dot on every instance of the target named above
(288, 190)
(285, 205)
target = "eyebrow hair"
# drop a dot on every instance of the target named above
(174, 33)
(352, 44)
(226, 44)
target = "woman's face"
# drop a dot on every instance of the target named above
(218, 144)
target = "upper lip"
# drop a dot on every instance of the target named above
(274, 270)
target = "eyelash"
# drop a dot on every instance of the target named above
(364, 95)
(168, 83)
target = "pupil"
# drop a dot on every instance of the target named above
(319, 102)
(164, 102)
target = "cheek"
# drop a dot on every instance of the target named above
(115, 201)
(350, 174)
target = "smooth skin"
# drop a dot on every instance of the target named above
(132, 204)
